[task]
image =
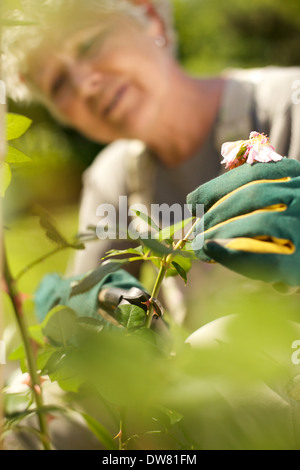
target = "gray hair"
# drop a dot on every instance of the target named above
(46, 16)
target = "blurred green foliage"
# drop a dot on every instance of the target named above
(26, 242)
(59, 156)
(234, 387)
(214, 35)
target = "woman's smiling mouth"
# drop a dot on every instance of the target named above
(115, 100)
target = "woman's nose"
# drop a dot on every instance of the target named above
(88, 83)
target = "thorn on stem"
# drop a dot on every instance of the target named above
(119, 435)
(37, 389)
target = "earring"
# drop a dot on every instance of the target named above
(160, 41)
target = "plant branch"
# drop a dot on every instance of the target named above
(2, 157)
(31, 362)
(165, 265)
(39, 260)
(158, 283)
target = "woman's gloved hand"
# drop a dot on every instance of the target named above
(55, 290)
(252, 221)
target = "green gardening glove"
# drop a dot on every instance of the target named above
(252, 221)
(55, 290)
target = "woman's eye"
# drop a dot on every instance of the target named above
(86, 47)
(58, 84)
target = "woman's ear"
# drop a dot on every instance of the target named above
(156, 27)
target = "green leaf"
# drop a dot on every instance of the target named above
(182, 266)
(6, 178)
(90, 324)
(87, 326)
(149, 337)
(52, 360)
(130, 251)
(17, 354)
(184, 261)
(15, 418)
(60, 325)
(14, 155)
(17, 402)
(95, 276)
(77, 246)
(180, 271)
(173, 416)
(36, 334)
(148, 220)
(109, 318)
(130, 316)
(51, 231)
(161, 249)
(43, 357)
(100, 432)
(168, 232)
(62, 367)
(157, 247)
(16, 125)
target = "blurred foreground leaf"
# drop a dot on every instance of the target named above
(60, 325)
(51, 231)
(16, 125)
(17, 402)
(15, 156)
(6, 178)
(173, 416)
(100, 432)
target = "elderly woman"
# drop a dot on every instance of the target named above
(108, 69)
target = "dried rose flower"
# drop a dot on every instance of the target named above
(256, 149)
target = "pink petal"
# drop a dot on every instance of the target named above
(251, 156)
(229, 151)
(260, 154)
(253, 134)
(254, 153)
(267, 154)
(275, 156)
(228, 147)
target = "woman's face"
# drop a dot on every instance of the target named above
(108, 81)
